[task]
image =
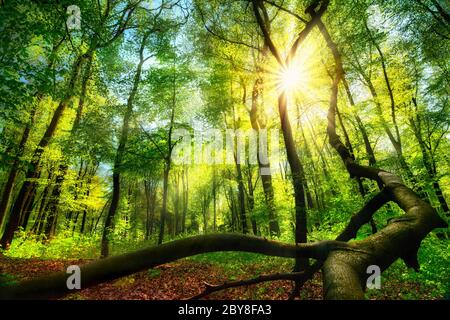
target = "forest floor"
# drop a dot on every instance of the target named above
(186, 278)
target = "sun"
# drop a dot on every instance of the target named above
(290, 79)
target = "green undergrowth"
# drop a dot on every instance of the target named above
(398, 282)
(431, 282)
(238, 263)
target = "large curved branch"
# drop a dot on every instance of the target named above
(126, 264)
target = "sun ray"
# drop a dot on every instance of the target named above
(290, 79)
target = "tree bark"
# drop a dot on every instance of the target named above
(53, 204)
(239, 177)
(167, 163)
(122, 265)
(28, 187)
(427, 159)
(258, 124)
(298, 179)
(107, 229)
(7, 189)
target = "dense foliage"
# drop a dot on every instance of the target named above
(109, 132)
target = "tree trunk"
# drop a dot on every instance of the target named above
(150, 208)
(214, 195)
(162, 219)
(168, 164)
(395, 140)
(241, 197)
(53, 204)
(427, 160)
(107, 229)
(7, 190)
(298, 180)
(264, 168)
(184, 179)
(239, 177)
(29, 184)
(251, 201)
(40, 217)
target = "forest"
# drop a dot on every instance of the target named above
(224, 149)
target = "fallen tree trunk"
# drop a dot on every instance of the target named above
(344, 268)
(122, 265)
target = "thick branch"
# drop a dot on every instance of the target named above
(274, 4)
(118, 266)
(363, 216)
(360, 218)
(294, 276)
(356, 222)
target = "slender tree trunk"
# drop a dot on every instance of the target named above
(28, 207)
(427, 160)
(53, 204)
(184, 179)
(168, 164)
(176, 204)
(298, 180)
(394, 139)
(29, 185)
(164, 202)
(241, 197)
(7, 190)
(264, 166)
(40, 218)
(101, 214)
(214, 195)
(107, 229)
(52, 208)
(147, 210)
(205, 206)
(85, 210)
(251, 204)
(239, 177)
(233, 210)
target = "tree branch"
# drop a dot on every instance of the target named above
(115, 267)
(272, 3)
(294, 276)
